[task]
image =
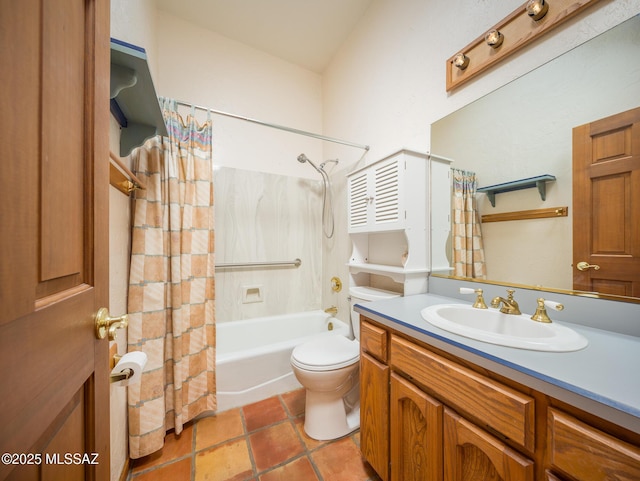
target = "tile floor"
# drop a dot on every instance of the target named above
(264, 441)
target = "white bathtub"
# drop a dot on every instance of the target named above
(252, 355)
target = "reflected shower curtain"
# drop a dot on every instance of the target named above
(468, 250)
(171, 285)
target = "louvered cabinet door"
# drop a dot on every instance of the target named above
(375, 198)
(387, 210)
(359, 202)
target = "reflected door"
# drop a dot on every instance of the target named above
(54, 386)
(606, 205)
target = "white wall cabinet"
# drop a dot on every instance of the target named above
(389, 218)
(376, 201)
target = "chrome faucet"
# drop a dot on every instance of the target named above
(509, 305)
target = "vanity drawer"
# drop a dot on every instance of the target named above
(373, 340)
(585, 452)
(492, 404)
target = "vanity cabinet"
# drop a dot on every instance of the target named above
(583, 452)
(451, 420)
(374, 398)
(416, 433)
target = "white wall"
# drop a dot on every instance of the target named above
(132, 22)
(207, 69)
(386, 85)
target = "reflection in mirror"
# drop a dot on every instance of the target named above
(524, 129)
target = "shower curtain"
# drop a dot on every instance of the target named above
(171, 285)
(468, 251)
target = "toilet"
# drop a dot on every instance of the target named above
(328, 368)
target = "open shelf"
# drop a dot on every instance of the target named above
(134, 102)
(539, 181)
(397, 273)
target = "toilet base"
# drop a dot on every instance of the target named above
(327, 417)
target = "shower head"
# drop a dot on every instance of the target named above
(303, 158)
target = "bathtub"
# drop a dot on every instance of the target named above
(252, 355)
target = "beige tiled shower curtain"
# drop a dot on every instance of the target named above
(468, 250)
(171, 286)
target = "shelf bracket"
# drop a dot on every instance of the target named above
(542, 189)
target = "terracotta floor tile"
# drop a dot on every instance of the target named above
(175, 447)
(228, 462)
(178, 471)
(298, 470)
(275, 445)
(342, 461)
(310, 443)
(294, 401)
(216, 429)
(263, 413)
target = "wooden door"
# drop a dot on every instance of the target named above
(416, 433)
(606, 205)
(374, 414)
(472, 454)
(54, 399)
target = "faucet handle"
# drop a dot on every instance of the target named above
(479, 304)
(541, 312)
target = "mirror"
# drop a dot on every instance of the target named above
(524, 129)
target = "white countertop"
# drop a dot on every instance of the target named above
(603, 378)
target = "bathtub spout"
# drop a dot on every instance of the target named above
(333, 310)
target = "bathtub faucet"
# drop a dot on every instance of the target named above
(333, 310)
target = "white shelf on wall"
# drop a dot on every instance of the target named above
(397, 273)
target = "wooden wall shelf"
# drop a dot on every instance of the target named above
(518, 30)
(527, 214)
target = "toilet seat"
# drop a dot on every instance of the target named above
(326, 353)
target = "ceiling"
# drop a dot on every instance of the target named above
(305, 32)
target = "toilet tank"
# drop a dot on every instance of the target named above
(362, 295)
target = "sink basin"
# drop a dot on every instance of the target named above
(492, 326)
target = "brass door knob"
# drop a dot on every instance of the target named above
(107, 324)
(585, 266)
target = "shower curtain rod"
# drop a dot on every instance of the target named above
(275, 126)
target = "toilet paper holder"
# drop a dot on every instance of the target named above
(127, 369)
(121, 376)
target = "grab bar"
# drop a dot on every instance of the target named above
(295, 263)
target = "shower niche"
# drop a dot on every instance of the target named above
(390, 221)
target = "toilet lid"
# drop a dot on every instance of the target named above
(326, 353)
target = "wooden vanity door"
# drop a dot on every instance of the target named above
(54, 373)
(606, 204)
(472, 454)
(416, 433)
(374, 414)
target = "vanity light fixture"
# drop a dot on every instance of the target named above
(494, 38)
(537, 9)
(461, 61)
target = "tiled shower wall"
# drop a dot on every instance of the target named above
(263, 217)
